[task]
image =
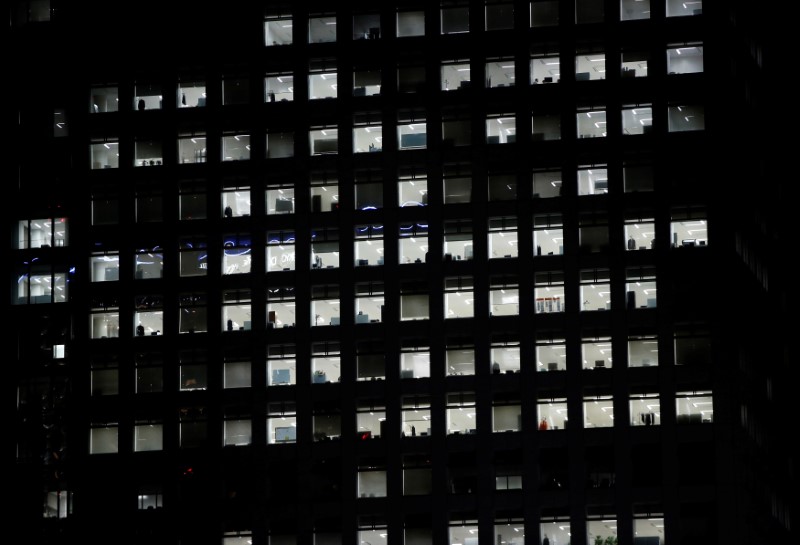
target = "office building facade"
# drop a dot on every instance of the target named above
(394, 273)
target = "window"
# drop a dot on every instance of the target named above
(370, 418)
(281, 423)
(557, 531)
(415, 361)
(236, 254)
(105, 379)
(237, 432)
(147, 153)
(105, 267)
(280, 144)
(640, 288)
(246, 538)
(500, 73)
(149, 205)
(366, 82)
(510, 530)
(104, 154)
(57, 504)
(545, 127)
(105, 208)
(503, 238)
(414, 301)
(281, 365)
(590, 66)
(630, 10)
(325, 369)
(637, 177)
(324, 194)
(595, 290)
(634, 64)
(104, 319)
(147, 437)
(552, 413)
(501, 129)
(149, 375)
(410, 23)
(279, 87)
(457, 189)
(455, 19)
(545, 68)
(686, 118)
(692, 348)
(193, 256)
(589, 11)
(192, 148)
(366, 26)
(459, 298)
(192, 313)
(148, 315)
(324, 140)
(642, 351)
(281, 307)
(544, 13)
(417, 475)
(193, 376)
(598, 411)
(147, 96)
(325, 306)
(370, 366)
(456, 131)
(368, 245)
(322, 81)
(689, 228)
(235, 90)
(649, 526)
(499, 15)
(548, 235)
(505, 357)
(593, 234)
(506, 415)
(591, 123)
(461, 413)
(371, 484)
(592, 180)
(411, 79)
(549, 292)
(236, 310)
(369, 302)
(551, 355)
(149, 263)
(40, 284)
(278, 30)
(412, 191)
(596, 353)
(236, 202)
(640, 233)
(193, 427)
(104, 438)
(459, 360)
(413, 243)
(416, 422)
(679, 8)
(369, 194)
(60, 127)
(191, 94)
(546, 184)
(412, 134)
(321, 29)
(694, 407)
(280, 199)
(104, 99)
(325, 248)
(685, 59)
(41, 233)
(603, 529)
(637, 119)
(455, 75)
(236, 374)
(328, 425)
(192, 201)
(236, 147)
(645, 410)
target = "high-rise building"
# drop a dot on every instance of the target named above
(472, 272)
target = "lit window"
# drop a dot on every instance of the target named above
(277, 30)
